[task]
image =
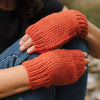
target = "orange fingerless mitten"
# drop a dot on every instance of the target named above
(57, 67)
(57, 29)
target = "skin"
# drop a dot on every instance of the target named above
(17, 80)
(13, 83)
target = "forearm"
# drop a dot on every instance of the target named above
(93, 40)
(14, 91)
(13, 80)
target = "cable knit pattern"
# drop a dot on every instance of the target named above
(57, 67)
(57, 29)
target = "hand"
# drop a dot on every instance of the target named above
(54, 30)
(53, 66)
(26, 44)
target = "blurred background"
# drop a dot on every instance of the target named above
(91, 8)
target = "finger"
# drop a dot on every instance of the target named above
(26, 45)
(24, 38)
(85, 68)
(87, 60)
(30, 50)
(85, 54)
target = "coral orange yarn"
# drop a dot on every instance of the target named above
(57, 29)
(57, 67)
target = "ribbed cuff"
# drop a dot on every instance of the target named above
(37, 38)
(37, 73)
(82, 24)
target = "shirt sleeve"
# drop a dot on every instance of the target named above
(52, 6)
(49, 7)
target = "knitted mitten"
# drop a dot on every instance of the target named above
(57, 29)
(57, 67)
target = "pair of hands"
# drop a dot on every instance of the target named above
(27, 44)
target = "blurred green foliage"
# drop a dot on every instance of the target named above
(91, 8)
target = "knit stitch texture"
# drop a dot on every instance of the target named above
(57, 29)
(57, 67)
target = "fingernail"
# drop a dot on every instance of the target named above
(22, 47)
(21, 42)
(29, 50)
